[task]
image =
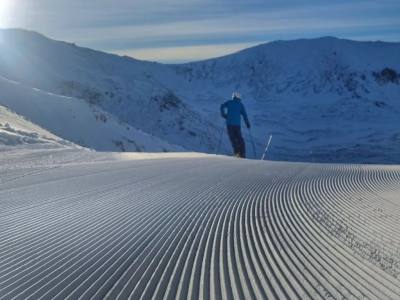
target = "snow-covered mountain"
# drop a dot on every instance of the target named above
(119, 86)
(323, 99)
(70, 118)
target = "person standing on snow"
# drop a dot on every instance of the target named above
(232, 111)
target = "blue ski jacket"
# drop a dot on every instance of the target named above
(232, 111)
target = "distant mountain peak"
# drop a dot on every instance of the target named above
(323, 99)
(21, 33)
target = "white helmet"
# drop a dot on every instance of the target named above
(236, 95)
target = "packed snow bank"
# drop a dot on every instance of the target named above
(12, 137)
(85, 225)
(77, 121)
(16, 131)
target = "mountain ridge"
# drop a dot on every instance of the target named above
(332, 102)
(33, 33)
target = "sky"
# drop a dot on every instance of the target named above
(185, 30)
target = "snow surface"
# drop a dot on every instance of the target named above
(77, 121)
(321, 99)
(118, 85)
(324, 100)
(16, 132)
(79, 224)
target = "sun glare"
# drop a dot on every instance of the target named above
(5, 12)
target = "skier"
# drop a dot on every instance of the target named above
(232, 111)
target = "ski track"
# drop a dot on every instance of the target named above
(198, 228)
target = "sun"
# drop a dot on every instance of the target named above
(5, 12)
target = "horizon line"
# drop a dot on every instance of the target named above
(225, 49)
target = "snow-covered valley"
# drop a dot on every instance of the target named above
(323, 100)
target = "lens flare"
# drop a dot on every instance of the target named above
(5, 12)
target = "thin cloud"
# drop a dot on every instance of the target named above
(227, 28)
(165, 25)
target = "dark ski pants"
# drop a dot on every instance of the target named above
(235, 135)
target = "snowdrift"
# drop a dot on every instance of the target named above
(17, 132)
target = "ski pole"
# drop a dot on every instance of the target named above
(252, 142)
(266, 148)
(220, 140)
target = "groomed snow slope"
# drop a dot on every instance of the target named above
(195, 227)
